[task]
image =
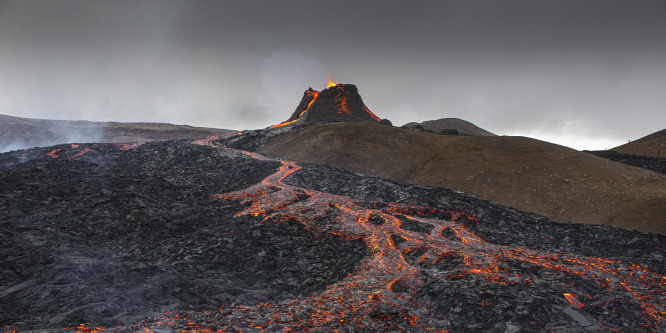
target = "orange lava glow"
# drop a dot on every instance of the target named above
(79, 154)
(128, 146)
(330, 82)
(314, 95)
(349, 301)
(572, 299)
(370, 287)
(341, 102)
(85, 329)
(53, 154)
(365, 108)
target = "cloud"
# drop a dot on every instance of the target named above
(506, 66)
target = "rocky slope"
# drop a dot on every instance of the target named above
(561, 183)
(180, 236)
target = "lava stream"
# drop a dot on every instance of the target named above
(370, 287)
(391, 274)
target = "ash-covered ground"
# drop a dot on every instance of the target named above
(180, 236)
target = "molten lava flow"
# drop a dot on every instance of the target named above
(365, 108)
(403, 241)
(53, 154)
(128, 146)
(74, 151)
(572, 299)
(313, 94)
(85, 329)
(387, 279)
(79, 154)
(341, 101)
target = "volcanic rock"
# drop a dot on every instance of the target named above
(449, 131)
(386, 122)
(121, 233)
(308, 96)
(194, 236)
(339, 103)
(656, 164)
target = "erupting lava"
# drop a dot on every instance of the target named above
(330, 81)
(404, 242)
(338, 102)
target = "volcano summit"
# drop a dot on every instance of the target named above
(338, 102)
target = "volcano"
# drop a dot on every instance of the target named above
(337, 103)
(208, 235)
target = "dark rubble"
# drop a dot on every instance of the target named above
(655, 164)
(115, 236)
(340, 102)
(176, 236)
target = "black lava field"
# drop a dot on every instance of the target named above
(182, 236)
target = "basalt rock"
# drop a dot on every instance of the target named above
(114, 236)
(308, 96)
(338, 103)
(386, 122)
(180, 236)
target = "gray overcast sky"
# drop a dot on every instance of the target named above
(589, 74)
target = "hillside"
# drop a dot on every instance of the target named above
(462, 126)
(21, 133)
(653, 145)
(561, 183)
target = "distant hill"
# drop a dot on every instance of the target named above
(535, 176)
(653, 145)
(22, 133)
(463, 127)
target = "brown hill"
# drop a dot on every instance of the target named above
(653, 145)
(561, 183)
(21, 133)
(462, 126)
